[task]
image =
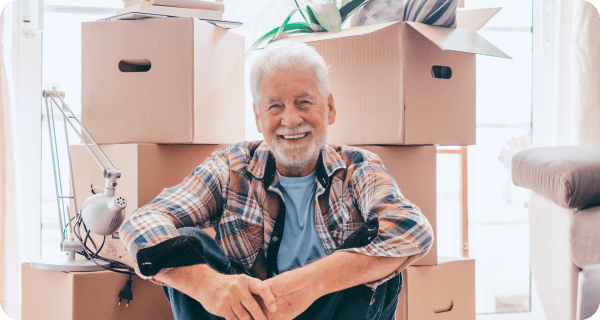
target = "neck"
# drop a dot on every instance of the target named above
(287, 171)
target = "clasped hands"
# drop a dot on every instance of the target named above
(241, 297)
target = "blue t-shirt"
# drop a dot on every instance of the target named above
(300, 243)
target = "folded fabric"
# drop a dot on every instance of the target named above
(440, 13)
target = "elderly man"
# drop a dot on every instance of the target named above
(304, 229)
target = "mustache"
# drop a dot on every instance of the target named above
(287, 131)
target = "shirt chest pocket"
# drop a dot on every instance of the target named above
(342, 219)
(241, 230)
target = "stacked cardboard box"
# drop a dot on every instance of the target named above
(178, 8)
(400, 88)
(159, 96)
(52, 295)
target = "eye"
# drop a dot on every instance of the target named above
(274, 106)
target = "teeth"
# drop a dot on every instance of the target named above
(296, 136)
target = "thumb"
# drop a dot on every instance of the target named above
(261, 289)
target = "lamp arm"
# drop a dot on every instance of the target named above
(52, 95)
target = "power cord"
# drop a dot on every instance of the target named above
(89, 254)
(126, 292)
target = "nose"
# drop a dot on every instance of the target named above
(291, 117)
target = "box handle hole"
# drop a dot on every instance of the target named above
(441, 72)
(444, 308)
(134, 65)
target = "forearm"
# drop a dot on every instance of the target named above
(187, 279)
(338, 271)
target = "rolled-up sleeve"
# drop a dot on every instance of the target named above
(402, 230)
(195, 202)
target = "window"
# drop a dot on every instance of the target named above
(498, 229)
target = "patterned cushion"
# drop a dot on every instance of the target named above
(440, 13)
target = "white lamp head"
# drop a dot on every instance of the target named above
(103, 214)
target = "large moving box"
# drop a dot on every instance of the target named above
(146, 169)
(56, 295)
(405, 83)
(442, 292)
(177, 80)
(414, 169)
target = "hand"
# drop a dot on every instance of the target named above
(291, 300)
(231, 297)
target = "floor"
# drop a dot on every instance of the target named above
(535, 314)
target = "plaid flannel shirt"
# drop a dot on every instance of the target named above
(358, 208)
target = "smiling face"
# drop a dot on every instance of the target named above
(293, 118)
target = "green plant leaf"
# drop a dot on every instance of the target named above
(302, 13)
(348, 9)
(285, 22)
(328, 16)
(344, 2)
(311, 15)
(261, 39)
(310, 27)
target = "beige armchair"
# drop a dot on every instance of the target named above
(564, 222)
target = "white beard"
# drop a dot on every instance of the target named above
(302, 155)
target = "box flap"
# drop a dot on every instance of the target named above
(350, 32)
(457, 40)
(474, 19)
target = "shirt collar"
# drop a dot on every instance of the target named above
(262, 165)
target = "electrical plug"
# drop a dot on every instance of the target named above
(126, 292)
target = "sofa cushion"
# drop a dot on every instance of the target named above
(569, 175)
(585, 237)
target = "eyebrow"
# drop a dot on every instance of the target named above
(304, 95)
(271, 100)
(298, 96)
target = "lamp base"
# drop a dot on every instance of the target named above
(70, 265)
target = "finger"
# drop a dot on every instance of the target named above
(259, 288)
(230, 315)
(252, 306)
(240, 311)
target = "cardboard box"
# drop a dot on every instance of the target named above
(176, 80)
(442, 292)
(146, 169)
(414, 169)
(55, 295)
(392, 86)
(145, 7)
(192, 4)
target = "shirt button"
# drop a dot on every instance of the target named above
(275, 238)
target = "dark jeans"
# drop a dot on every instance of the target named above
(343, 305)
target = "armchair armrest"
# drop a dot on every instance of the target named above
(568, 175)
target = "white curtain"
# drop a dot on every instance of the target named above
(10, 189)
(576, 81)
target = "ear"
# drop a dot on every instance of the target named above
(331, 111)
(256, 119)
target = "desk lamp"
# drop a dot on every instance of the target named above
(102, 213)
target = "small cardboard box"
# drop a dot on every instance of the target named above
(404, 83)
(56, 295)
(176, 80)
(146, 7)
(442, 292)
(146, 169)
(414, 169)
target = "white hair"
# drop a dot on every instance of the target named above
(288, 55)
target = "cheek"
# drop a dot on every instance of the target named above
(268, 126)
